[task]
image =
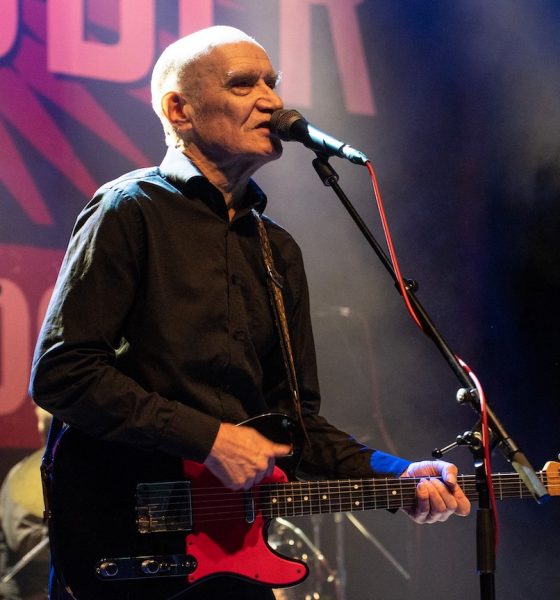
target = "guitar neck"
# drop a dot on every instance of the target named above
(316, 497)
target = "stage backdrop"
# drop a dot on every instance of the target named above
(456, 104)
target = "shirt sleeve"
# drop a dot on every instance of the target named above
(73, 373)
(332, 453)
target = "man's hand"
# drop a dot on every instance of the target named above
(241, 457)
(436, 501)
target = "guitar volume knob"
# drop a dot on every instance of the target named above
(150, 566)
(108, 569)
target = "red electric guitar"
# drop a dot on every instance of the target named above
(130, 525)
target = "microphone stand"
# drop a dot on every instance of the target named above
(466, 395)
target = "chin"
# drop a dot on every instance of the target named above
(276, 153)
(275, 149)
(269, 154)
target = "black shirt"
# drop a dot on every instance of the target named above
(160, 325)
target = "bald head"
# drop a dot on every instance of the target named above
(175, 70)
(215, 91)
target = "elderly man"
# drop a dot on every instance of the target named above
(160, 332)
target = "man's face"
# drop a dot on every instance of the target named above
(233, 100)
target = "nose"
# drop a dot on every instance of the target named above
(268, 99)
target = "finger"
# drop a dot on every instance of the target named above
(281, 449)
(449, 475)
(445, 495)
(270, 469)
(422, 509)
(436, 509)
(463, 503)
(439, 510)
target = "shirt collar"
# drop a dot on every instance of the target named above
(177, 168)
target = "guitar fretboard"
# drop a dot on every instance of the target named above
(315, 497)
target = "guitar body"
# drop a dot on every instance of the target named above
(131, 525)
(108, 541)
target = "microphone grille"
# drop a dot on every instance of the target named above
(281, 122)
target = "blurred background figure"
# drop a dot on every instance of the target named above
(22, 527)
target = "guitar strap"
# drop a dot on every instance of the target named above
(274, 285)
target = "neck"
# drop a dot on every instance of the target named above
(231, 178)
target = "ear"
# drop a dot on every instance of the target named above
(176, 110)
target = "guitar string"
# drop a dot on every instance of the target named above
(299, 495)
(505, 488)
(381, 485)
(240, 515)
(342, 486)
(299, 508)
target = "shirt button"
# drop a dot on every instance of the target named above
(236, 280)
(238, 336)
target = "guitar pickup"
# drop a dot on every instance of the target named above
(164, 507)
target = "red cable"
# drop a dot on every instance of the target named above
(392, 253)
(486, 446)
(410, 309)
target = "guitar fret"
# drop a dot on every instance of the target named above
(299, 500)
(313, 498)
(392, 494)
(319, 508)
(336, 499)
(304, 501)
(387, 493)
(353, 494)
(308, 501)
(353, 501)
(295, 499)
(291, 501)
(273, 501)
(288, 499)
(368, 499)
(346, 496)
(363, 505)
(500, 487)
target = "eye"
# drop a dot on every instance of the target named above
(273, 80)
(242, 85)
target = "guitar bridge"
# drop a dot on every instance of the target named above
(164, 506)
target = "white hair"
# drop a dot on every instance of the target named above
(170, 71)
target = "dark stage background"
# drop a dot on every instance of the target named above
(457, 105)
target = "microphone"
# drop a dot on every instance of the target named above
(289, 125)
